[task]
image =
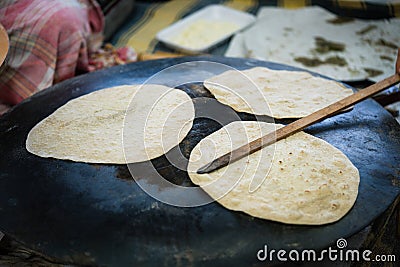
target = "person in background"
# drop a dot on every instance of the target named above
(50, 41)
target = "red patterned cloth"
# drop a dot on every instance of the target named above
(50, 40)
(109, 56)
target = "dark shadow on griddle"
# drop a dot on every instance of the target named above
(172, 166)
(195, 89)
(344, 124)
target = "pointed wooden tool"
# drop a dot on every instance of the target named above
(298, 125)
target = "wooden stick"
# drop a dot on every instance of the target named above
(298, 125)
(157, 55)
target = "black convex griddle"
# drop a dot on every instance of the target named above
(97, 212)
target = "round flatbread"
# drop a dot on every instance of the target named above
(279, 94)
(119, 125)
(300, 180)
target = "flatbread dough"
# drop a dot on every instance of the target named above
(300, 180)
(118, 125)
(276, 93)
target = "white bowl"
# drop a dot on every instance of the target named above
(200, 38)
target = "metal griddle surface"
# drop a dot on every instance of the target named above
(95, 213)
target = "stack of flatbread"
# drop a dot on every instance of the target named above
(315, 39)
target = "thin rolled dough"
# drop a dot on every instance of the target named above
(276, 93)
(123, 124)
(299, 180)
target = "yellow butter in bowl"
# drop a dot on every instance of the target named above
(202, 33)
